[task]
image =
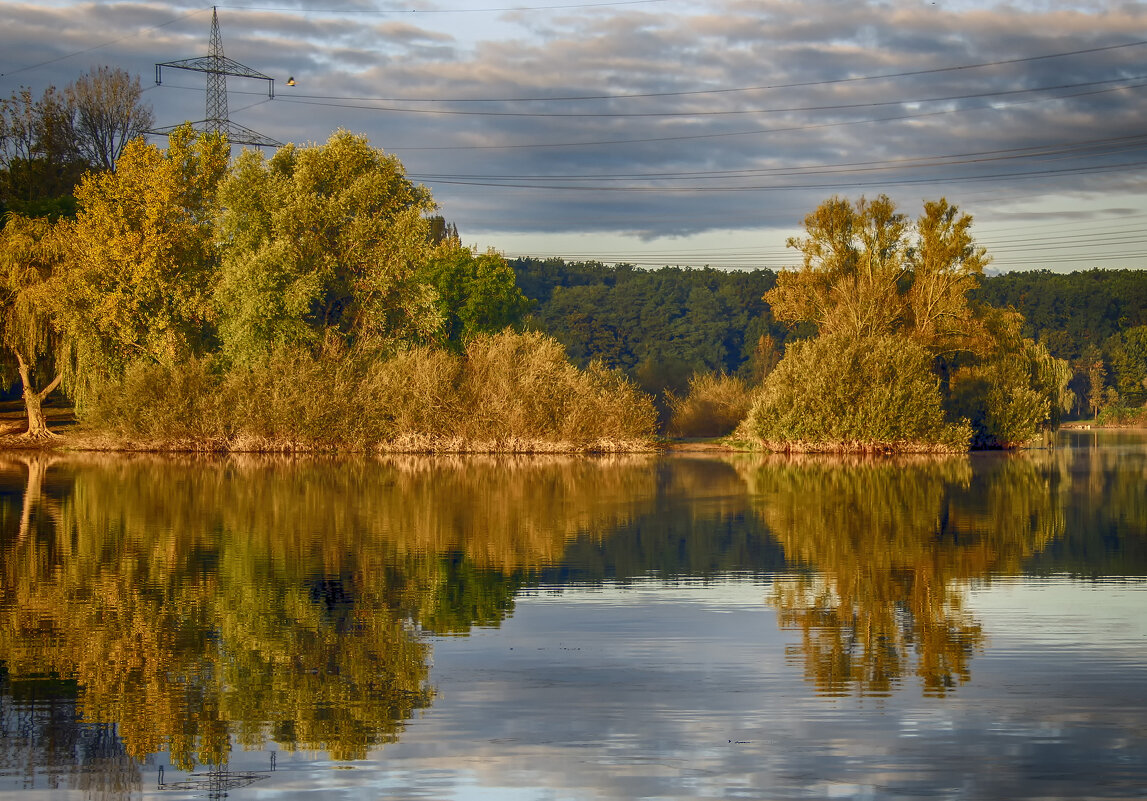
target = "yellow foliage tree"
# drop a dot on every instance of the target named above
(862, 274)
(137, 285)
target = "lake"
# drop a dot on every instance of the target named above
(668, 627)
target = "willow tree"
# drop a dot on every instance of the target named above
(322, 244)
(137, 285)
(31, 250)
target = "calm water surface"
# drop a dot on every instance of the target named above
(553, 628)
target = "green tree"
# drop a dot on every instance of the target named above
(837, 392)
(40, 163)
(1014, 390)
(1128, 357)
(322, 242)
(475, 294)
(138, 280)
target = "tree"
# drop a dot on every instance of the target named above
(137, 285)
(108, 114)
(1011, 391)
(863, 274)
(475, 294)
(31, 250)
(322, 243)
(39, 162)
(944, 266)
(1128, 357)
(1096, 379)
(862, 279)
(853, 257)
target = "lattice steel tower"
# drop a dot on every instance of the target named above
(218, 67)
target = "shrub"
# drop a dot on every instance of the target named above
(507, 391)
(1012, 396)
(1120, 415)
(713, 406)
(160, 402)
(843, 393)
(522, 386)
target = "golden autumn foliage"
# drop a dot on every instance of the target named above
(257, 600)
(903, 359)
(506, 392)
(894, 543)
(137, 283)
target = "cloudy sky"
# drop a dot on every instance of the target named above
(670, 132)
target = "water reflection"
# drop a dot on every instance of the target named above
(191, 607)
(891, 544)
(198, 604)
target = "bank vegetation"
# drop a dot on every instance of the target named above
(313, 300)
(310, 300)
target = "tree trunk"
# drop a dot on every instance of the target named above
(37, 467)
(34, 401)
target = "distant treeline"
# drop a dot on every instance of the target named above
(1070, 311)
(663, 325)
(660, 326)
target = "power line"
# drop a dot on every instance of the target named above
(1128, 80)
(760, 131)
(104, 44)
(420, 11)
(1057, 151)
(764, 87)
(1123, 166)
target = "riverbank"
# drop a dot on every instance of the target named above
(70, 436)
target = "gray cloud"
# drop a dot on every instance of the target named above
(461, 98)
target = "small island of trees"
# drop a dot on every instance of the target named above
(314, 300)
(901, 359)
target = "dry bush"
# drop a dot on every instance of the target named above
(157, 402)
(522, 386)
(302, 401)
(507, 392)
(713, 407)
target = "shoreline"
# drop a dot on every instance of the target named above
(70, 438)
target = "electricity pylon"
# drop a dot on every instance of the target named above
(218, 67)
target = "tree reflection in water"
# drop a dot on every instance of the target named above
(890, 546)
(199, 603)
(196, 605)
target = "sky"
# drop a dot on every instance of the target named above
(663, 132)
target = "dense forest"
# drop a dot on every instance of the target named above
(647, 321)
(659, 325)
